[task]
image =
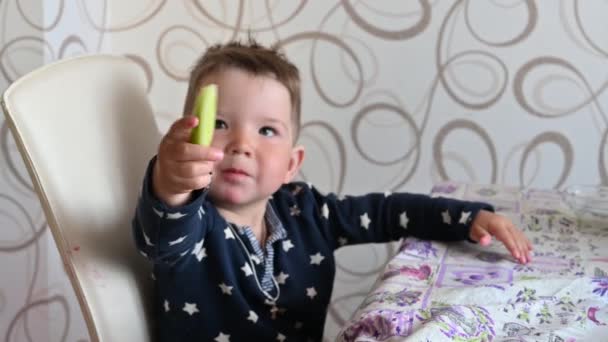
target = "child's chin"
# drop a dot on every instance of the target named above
(227, 197)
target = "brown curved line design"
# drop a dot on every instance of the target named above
(15, 40)
(159, 56)
(379, 106)
(315, 36)
(41, 302)
(237, 28)
(396, 178)
(415, 147)
(386, 13)
(36, 26)
(470, 105)
(562, 142)
(336, 314)
(602, 161)
(442, 66)
(120, 28)
(320, 29)
(521, 74)
(341, 148)
(2, 302)
(36, 233)
(462, 124)
(271, 20)
(4, 135)
(145, 67)
(531, 24)
(584, 33)
(324, 153)
(374, 75)
(408, 33)
(373, 272)
(511, 156)
(69, 40)
(317, 83)
(470, 91)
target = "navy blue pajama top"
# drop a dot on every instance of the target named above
(209, 279)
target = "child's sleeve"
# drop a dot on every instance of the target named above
(164, 234)
(381, 217)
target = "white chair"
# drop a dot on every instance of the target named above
(86, 131)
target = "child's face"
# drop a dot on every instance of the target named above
(255, 131)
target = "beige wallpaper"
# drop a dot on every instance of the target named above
(397, 95)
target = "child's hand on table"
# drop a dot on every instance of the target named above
(488, 224)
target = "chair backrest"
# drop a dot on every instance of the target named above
(86, 131)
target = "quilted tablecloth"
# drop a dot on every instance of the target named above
(435, 291)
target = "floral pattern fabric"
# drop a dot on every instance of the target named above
(437, 291)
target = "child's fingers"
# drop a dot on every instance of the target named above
(191, 169)
(480, 235)
(177, 184)
(181, 129)
(521, 241)
(505, 235)
(184, 151)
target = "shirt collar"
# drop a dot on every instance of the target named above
(276, 231)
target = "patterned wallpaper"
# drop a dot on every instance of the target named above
(397, 95)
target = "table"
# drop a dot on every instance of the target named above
(436, 291)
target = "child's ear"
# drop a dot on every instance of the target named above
(295, 161)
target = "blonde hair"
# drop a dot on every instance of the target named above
(253, 58)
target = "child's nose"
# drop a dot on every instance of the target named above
(240, 144)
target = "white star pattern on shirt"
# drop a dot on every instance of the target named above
(201, 212)
(228, 233)
(147, 239)
(247, 269)
(177, 241)
(199, 251)
(316, 259)
(256, 259)
(191, 309)
(309, 185)
(184, 253)
(325, 211)
(296, 190)
(464, 217)
(166, 305)
(311, 292)
(446, 217)
(294, 210)
(287, 245)
(226, 289)
(143, 253)
(252, 317)
(159, 213)
(281, 278)
(281, 337)
(403, 220)
(365, 221)
(222, 337)
(175, 216)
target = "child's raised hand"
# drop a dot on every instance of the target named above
(181, 166)
(488, 224)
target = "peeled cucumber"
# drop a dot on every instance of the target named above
(205, 108)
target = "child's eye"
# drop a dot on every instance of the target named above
(220, 124)
(268, 131)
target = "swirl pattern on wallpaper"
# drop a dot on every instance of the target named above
(396, 95)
